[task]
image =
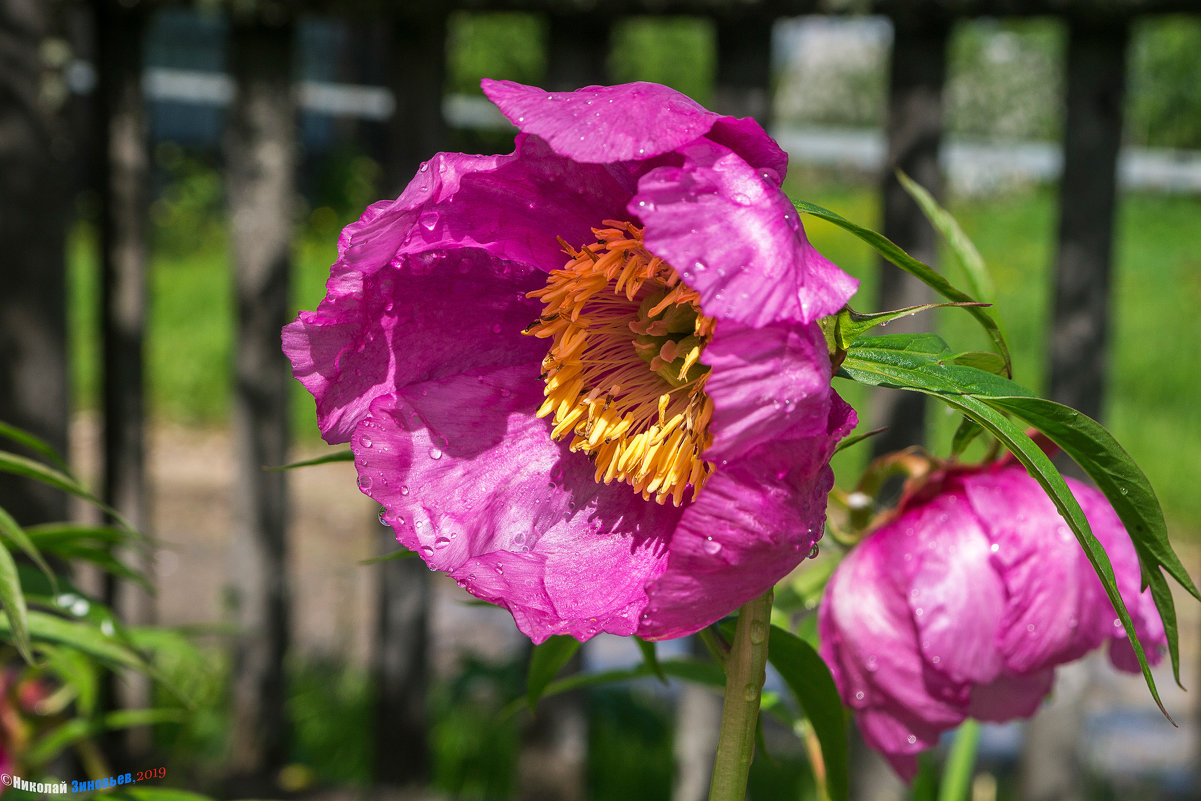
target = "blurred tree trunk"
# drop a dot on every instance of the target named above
(1096, 77)
(400, 654)
(743, 82)
(260, 156)
(122, 168)
(918, 71)
(36, 151)
(577, 50)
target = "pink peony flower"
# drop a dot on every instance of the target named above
(963, 604)
(584, 379)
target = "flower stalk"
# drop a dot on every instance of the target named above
(745, 665)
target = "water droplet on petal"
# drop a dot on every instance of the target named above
(365, 441)
(364, 483)
(425, 166)
(911, 739)
(813, 552)
(429, 220)
(435, 453)
(404, 489)
(711, 547)
(441, 542)
(427, 550)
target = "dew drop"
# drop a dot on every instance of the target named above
(792, 221)
(750, 692)
(994, 547)
(441, 542)
(911, 739)
(711, 547)
(1124, 491)
(381, 519)
(365, 441)
(919, 611)
(813, 552)
(429, 220)
(80, 607)
(1030, 628)
(700, 266)
(404, 489)
(859, 695)
(435, 453)
(758, 632)
(425, 166)
(107, 628)
(364, 483)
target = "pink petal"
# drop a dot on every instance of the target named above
(766, 384)
(604, 124)
(755, 520)
(736, 238)
(472, 481)
(382, 328)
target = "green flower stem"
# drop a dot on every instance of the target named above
(957, 773)
(745, 671)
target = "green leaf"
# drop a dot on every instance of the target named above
(984, 360)
(545, 663)
(910, 364)
(82, 636)
(339, 456)
(967, 431)
(78, 729)
(848, 325)
(35, 444)
(12, 531)
(76, 671)
(28, 468)
(650, 658)
(922, 272)
(855, 439)
(810, 681)
(1128, 490)
(979, 281)
(14, 604)
(400, 553)
(49, 536)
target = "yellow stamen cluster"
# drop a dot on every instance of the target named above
(623, 375)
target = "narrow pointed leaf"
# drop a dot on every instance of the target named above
(13, 601)
(909, 363)
(79, 729)
(811, 683)
(978, 278)
(339, 456)
(650, 658)
(12, 531)
(546, 662)
(1128, 490)
(28, 468)
(922, 272)
(35, 444)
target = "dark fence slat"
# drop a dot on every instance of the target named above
(918, 69)
(742, 86)
(260, 180)
(123, 175)
(1096, 74)
(35, 153)
(577, 49)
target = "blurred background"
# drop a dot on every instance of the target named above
(173, 178)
